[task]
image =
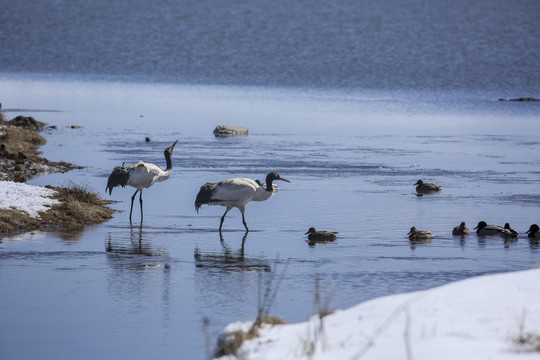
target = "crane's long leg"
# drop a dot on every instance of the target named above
(223, 218)
(140, 201)
(132, 199)
(243, 218)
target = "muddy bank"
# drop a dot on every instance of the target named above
(19, 161)
(19, 155)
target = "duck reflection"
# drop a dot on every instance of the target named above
(414, 243)
(229, 260)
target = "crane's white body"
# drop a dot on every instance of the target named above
(237, 192)
(143, 175)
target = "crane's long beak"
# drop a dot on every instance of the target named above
(171, 148)
(282, 178)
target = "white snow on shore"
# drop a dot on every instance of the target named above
(24, 197)
(477, 318)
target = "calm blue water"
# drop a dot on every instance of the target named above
(325, 44)
(351, 101)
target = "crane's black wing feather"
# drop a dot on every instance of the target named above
(205, 195)
(118, 177)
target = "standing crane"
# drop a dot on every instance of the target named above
(237, 192)
(141, 176)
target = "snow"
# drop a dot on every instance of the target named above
(24, 197)
(477, 318)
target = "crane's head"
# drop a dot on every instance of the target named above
(170, 149)
(274, 176)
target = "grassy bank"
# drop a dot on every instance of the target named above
(20, 160)
(77, 206)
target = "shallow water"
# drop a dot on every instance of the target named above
(115, 290)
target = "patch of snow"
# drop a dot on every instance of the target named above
(477, 318)
(24, 197)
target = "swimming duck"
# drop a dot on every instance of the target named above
(483, 229)
(321, 235)
(416, 234)
(461, 229)
(423, 187)
(512, 231)
(533, 231)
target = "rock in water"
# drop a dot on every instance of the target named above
(228, 131)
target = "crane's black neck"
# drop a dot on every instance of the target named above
(168, 160)
(269, 186)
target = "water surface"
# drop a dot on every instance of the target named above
(143, 291)
(353, 101)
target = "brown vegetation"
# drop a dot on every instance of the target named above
(20, 160)
(77, 206)
(229, 344)
(19, 155)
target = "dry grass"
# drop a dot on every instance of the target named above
(13, 221)
(315, 331)
(229, 345)
(526, 341)
(78, 206)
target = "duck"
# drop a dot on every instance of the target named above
(461, 229)
(512, 231)
(533, 232)
(484, 229)
(424, 188)
(416, 234)
(321, 235)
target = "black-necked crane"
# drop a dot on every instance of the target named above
(141, 176)
(237, 192)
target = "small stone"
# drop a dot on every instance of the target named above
(230, 131)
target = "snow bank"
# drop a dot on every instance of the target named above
(24, 197)
(477, 318)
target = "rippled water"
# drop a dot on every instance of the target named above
(353, 101)
(473, 45)
(115, 290)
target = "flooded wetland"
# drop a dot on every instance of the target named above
(353, 102)
(144, 289)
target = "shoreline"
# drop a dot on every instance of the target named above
(485, 317)
(26, 207)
